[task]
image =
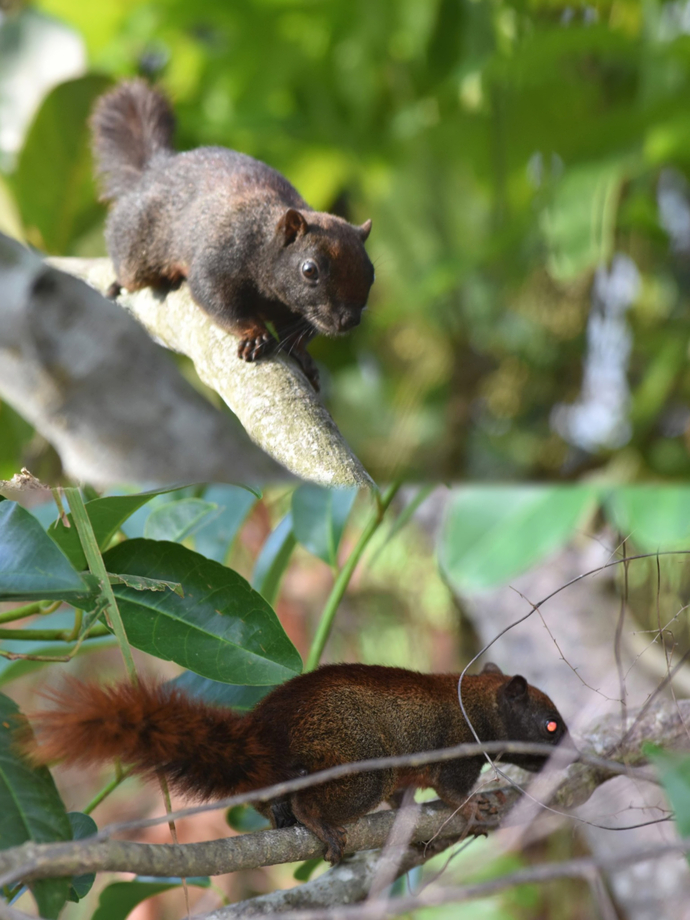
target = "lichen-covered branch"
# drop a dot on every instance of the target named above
(272, 398)
(113, 404)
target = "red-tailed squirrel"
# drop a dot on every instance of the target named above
(251, 248)
(337, 714)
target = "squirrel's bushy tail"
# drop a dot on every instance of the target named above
(130, 124)
(201, 749)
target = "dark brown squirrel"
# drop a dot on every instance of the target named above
(337, 714)
(251, 248)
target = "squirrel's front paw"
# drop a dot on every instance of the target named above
(259, 346)
(310, 369)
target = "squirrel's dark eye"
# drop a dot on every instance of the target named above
(551, 726)
(310, 270)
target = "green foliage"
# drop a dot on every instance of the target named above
(56, 192)
(107, 515)
(654, 517)
(274, 559)
(221, 628)
(246, 819)
(118, 900)
(31, 808)
(318, 519)
(177, 520)
(674, 773)
(219, 693)
(32, 567)
(493, 533)
(82, 826)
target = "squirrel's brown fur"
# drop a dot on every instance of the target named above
(232, 226)
(337, 714)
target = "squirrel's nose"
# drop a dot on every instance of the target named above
(349, 320)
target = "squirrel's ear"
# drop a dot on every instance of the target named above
(516, 688)
(491, 668)
(291, 225)
(364, 230)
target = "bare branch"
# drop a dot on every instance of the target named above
(94, 384)
(276, 404)
(585, 868)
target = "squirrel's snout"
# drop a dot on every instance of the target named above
(348, 320)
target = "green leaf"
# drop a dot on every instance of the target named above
(177, 520)
(217, 535)
(318, 519)
(107, 515)
(246, 819)
(31, 808)
(32, 567)
(273, 560)
(118, 900)
(218, 693)
(221, 628)
(654, 517)
(674, 772)
(82, 826)
(493, 533)
(305, 870)
(55, 193)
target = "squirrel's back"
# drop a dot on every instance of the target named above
(130, 125)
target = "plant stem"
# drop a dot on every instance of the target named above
(120, 775)
(345, 574)
(52, 635)
(96, 565)
(28, 610)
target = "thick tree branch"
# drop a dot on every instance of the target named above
(663, 723)
(272, 398)
(94, 384)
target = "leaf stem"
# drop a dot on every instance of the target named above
(345, 574)
(94, 560)
(28, 610)
(120, 775)
(52, 635)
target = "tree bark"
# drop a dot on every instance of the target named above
(272, 398)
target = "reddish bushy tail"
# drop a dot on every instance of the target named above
(130, 124)
(203, 750)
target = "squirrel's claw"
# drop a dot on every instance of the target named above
(259, 346)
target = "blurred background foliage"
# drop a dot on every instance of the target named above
(525, 164)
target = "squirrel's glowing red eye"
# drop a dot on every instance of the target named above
(551, 726)
(310, 270)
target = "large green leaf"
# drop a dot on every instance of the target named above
(32, 567)
(53, 181)
(273, 559)
(318, 519)
(654, 517)
(215, 538)
(493, 533)
(177, 520)
(31, 808)
(107, 515)
(218, 693)
(221, 628)
(118, 900)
